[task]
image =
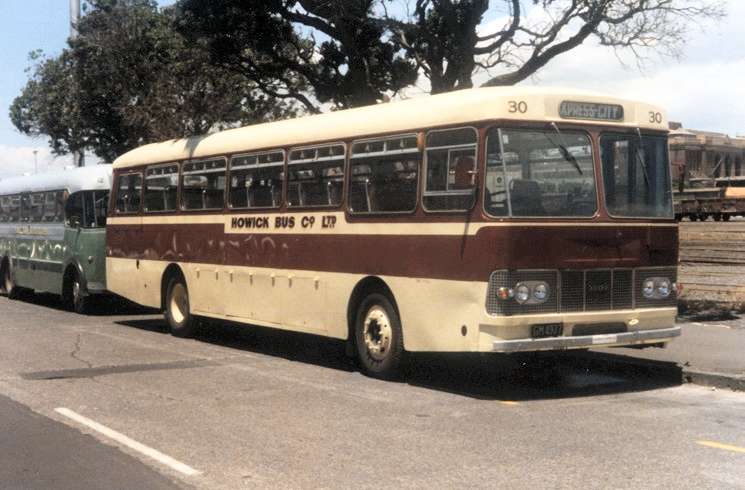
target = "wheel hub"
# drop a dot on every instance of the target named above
(377, 333)
(179, 303)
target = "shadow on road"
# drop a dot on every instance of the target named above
(100, 305)
(482, 376)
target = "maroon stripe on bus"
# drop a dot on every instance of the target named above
(468, 258)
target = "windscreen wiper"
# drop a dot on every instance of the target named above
(640, 158)
(563, 149)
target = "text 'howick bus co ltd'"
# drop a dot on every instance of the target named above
(485, 220)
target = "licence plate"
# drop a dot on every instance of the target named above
(546, 330)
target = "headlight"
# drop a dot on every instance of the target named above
(663, 288)
(648, 288)
(522, 293)
(540, 292)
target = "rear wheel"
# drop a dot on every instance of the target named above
(9, 286)
(726, 217)
(378, 336)
(692, 217)
(177, 312)
(79, 299)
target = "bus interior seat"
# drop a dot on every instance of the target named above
(525, 197)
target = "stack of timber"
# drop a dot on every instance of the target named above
(712, 262)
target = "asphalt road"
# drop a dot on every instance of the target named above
(251, 408)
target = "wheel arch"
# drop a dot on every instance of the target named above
(67, 271)
(365, 286)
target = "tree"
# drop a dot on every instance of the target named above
(338, 48)
(449, 42)
(128, 79)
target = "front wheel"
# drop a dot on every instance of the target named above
(379, 338)
(177, 312)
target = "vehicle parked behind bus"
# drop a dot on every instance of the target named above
(52, 234)
(486, 220)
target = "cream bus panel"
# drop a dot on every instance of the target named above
(433, 312)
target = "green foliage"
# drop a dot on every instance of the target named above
(336, 48)
(129, 79)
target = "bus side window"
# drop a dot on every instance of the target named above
(36, 207)
(316, 176)
(451, 170)
(50, 207)
(161, 188)
(385, 174)
(256, 180)
(14, 208)
(100, 206)
(74, 210)
(4, 209)
(203, 185)
(128, 189)
(61, 198)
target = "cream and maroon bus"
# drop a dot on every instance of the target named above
(485, 220)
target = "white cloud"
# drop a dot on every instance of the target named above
(17, 160)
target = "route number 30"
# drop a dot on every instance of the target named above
(517, 106)
(655, 117)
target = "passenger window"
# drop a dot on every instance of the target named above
(11, 208)
(161, 188)
(100, 207)
(35, 207)
(25, 208)
(256, 180)
(74, 210)
(316, 176)
(52, 212)
(203, 185)
(128, 189)
(451, 170)
(384, 175)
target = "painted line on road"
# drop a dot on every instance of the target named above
(726, 447)
(130, 443)
(508, 402)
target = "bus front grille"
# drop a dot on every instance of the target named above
(580, 290)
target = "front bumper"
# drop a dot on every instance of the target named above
(584, 341)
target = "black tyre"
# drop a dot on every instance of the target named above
(726, 217)
(9, 285)
(78, 299)
(692, 217)
(378, 337)
(177, 312)
(717, 217)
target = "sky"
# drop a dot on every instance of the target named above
(704, 89)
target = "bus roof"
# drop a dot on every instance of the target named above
(73, 180)
(460, 107)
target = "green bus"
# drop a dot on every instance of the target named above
(53, 235)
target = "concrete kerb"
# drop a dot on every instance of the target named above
(663, 370)
(715, 380)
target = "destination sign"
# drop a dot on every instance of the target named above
(590, 110)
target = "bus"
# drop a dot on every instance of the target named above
(52, 234)
(484, 220)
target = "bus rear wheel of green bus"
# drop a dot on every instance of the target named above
(177, 313)
(8, 285)
(74, 295)
(378, 337)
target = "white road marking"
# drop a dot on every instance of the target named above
(130, 443)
